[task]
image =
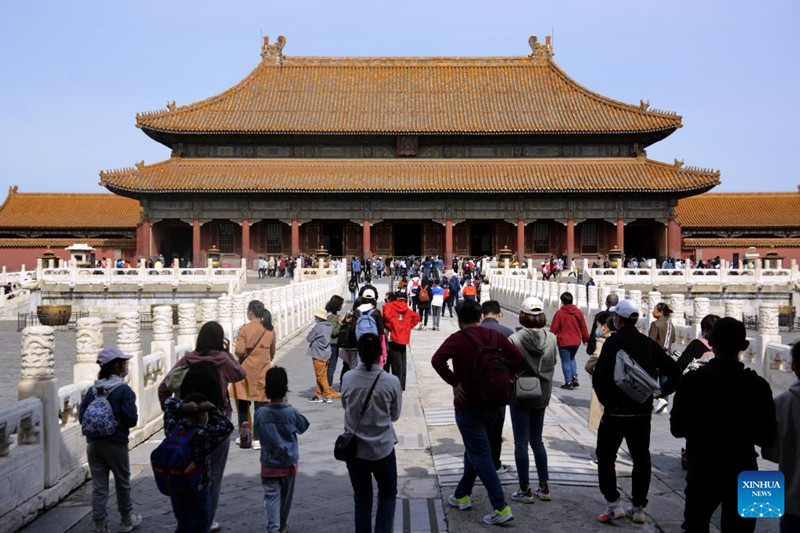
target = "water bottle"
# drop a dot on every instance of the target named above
(245, 437)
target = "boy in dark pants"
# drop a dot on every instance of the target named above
(211, 426)
(278, 424)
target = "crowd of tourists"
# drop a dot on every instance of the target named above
(629, 372)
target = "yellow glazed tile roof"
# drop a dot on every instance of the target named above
(63, 243)
(740, 210)
(740, 243)
(325, 176)
(68, 210)
(409, 95)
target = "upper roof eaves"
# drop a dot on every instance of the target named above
(408, 95)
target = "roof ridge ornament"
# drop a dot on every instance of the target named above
(140, 165)
(171, 105)
(273, 52)
(678, 163)
(644, 104)
(641, 153)
(539, 50)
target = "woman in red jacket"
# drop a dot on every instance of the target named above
(569, 327)
(399, 321)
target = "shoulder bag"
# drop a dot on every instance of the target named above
(345, 447)
(248, 351)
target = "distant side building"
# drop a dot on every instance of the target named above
(32, 223)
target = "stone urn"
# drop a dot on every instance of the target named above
(216, 256)
(54, 315)
(322, 255)
(505, 254)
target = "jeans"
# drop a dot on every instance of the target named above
(243, 408)
(568, 364)
(192, 511)
(105, 456)
(528, 424)
(278, 493)
(385, 471)
(424, 313)
(332, 363)
(219, 458)
(449, 302)
(636, 432)
(396, 362)
(474, 426)
(321, 373)
(437, 315)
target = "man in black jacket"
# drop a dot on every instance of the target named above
(611, 300)
(624, 417)
(723, 409)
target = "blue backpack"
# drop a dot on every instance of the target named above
(98, 418)
(173, 464)
(366, 323)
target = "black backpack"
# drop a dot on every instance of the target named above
(347, 332)
(202, 377)
(492, 375)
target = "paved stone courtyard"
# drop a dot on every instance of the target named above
(428, 454)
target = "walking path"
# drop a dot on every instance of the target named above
(429, 455)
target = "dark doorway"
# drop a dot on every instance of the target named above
(333, 238)
(407, 238)
(174, 240)
(641, 239)
(481, 239)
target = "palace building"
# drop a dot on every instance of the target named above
(409, 155)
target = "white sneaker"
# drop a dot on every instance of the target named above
(129, 522)
(256, 444)
(637, 514)
(660, 406)
(215, 526)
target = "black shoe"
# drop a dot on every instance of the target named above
(684, 464)
(575, 383)
(567, 386)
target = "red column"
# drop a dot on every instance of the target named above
(570, 239)
(673, 238)
(448, 243)
(142, 240)
(246, 240)
(521, 240)
(295, 237)
(196, 243)
(621, 234)
(366, 239)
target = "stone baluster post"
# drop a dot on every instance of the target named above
(208, 310)
(573, 290)
(635, 295)
(734, 309)
(88, 343)
(701, 306)
(163, 338)
(677, 303)
(620, 293)
(653, 299)
(594, 302)
(768, 333)
(129, 342)
(239, 303)
(224, 314)
(187, 325)
(562, 288)
(38, 380)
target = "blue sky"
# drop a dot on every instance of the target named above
(74, 74)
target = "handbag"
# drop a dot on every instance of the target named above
(526, 389)
(345, 447)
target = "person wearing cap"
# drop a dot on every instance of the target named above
(319, 348)
(110, 454)
(737, 414)
(368, 286)
(625, 418)
(540, 352)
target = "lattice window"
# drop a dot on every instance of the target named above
(226, 233)
(589, 238)
(274, 232)
(541, 238)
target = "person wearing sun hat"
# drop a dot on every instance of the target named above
(319, 348)
(110, 453)
(737, 413)
(625, 418)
